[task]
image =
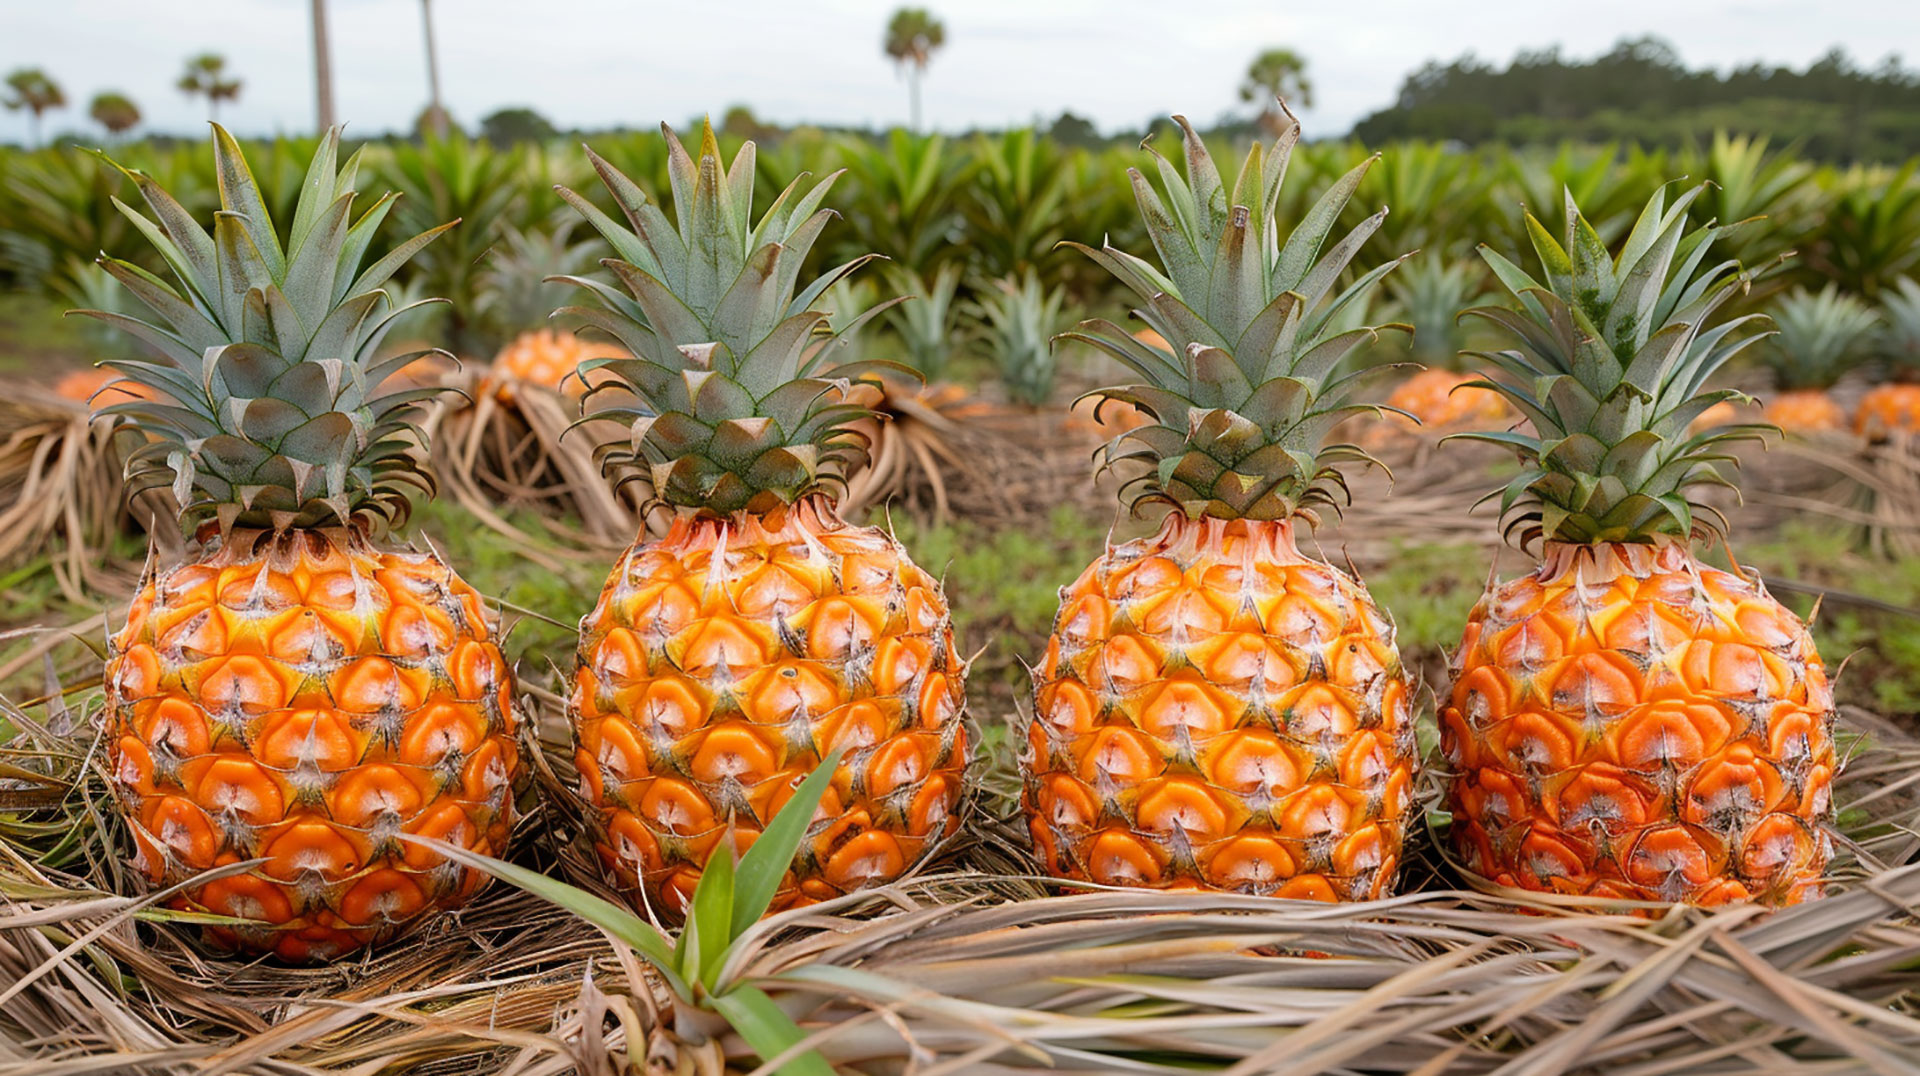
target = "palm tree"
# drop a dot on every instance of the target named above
(1273, 76)
(913, 35)
(435, 119)
(114, 111)
(322, 69)
(206, 75)
(30, 88)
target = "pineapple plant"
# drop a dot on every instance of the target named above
(1893, 407)
(1625, 721)
(548, 358)
(1015, 320)
(1821, 338)
(1429, 292)
(501, 444)
(293, 691)
(1216, 708)
(517, 293)
(926, 327)
(761, 632)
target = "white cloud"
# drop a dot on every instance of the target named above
(591, 63)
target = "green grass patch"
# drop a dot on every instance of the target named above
(1003, 585)
(37, 341)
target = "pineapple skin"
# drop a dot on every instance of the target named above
(1441, 401)
(305, 697)
(1888, 410)
(1219, 711)
(544, 357)
(725, 660)
(1627, 722)
(1805, 411)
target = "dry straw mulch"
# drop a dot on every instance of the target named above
(971, 968)
(61, 494)
(974, 966)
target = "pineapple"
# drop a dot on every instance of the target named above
(96, 386)
(1429, 292)
(1821, 337)
(1894, 407)
(761, 632)
(294, 692)
(519, 289)
(1216, 708)
(1625, 721)
(544, 357)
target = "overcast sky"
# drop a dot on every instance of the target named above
(588, 63)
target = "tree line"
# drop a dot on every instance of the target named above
(1642, 92)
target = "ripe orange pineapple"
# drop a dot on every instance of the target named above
(1625, 721)
(1428, 293)
(1894, 407)
(1216, 709)
(544, 357)
(1434, 397)
(294, 692)
(83, 386)
(762, 632)
(1820, 338)
(1805, 411)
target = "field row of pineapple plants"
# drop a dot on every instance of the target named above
(303, 801)
(961, 220)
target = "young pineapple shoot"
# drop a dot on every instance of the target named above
(727, 658)
(294, 692)
(1625, 721)
(1017, 320)
(1216, 708)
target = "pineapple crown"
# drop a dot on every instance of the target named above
(266, 407)
(1820, 336)
(1611, 368)
(1245, 391)
(732, 409)
(1430, 290)
(1900, 335)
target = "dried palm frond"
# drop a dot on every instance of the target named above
(1871, 489)
(61, 491)
(919, 440)
(502, 446)
(963, 972)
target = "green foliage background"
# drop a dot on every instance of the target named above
(993, 206)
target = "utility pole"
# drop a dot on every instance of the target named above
(436, 115)
(322, 68)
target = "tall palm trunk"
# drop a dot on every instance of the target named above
(322, 68)
(914, 74)
(436, 115)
